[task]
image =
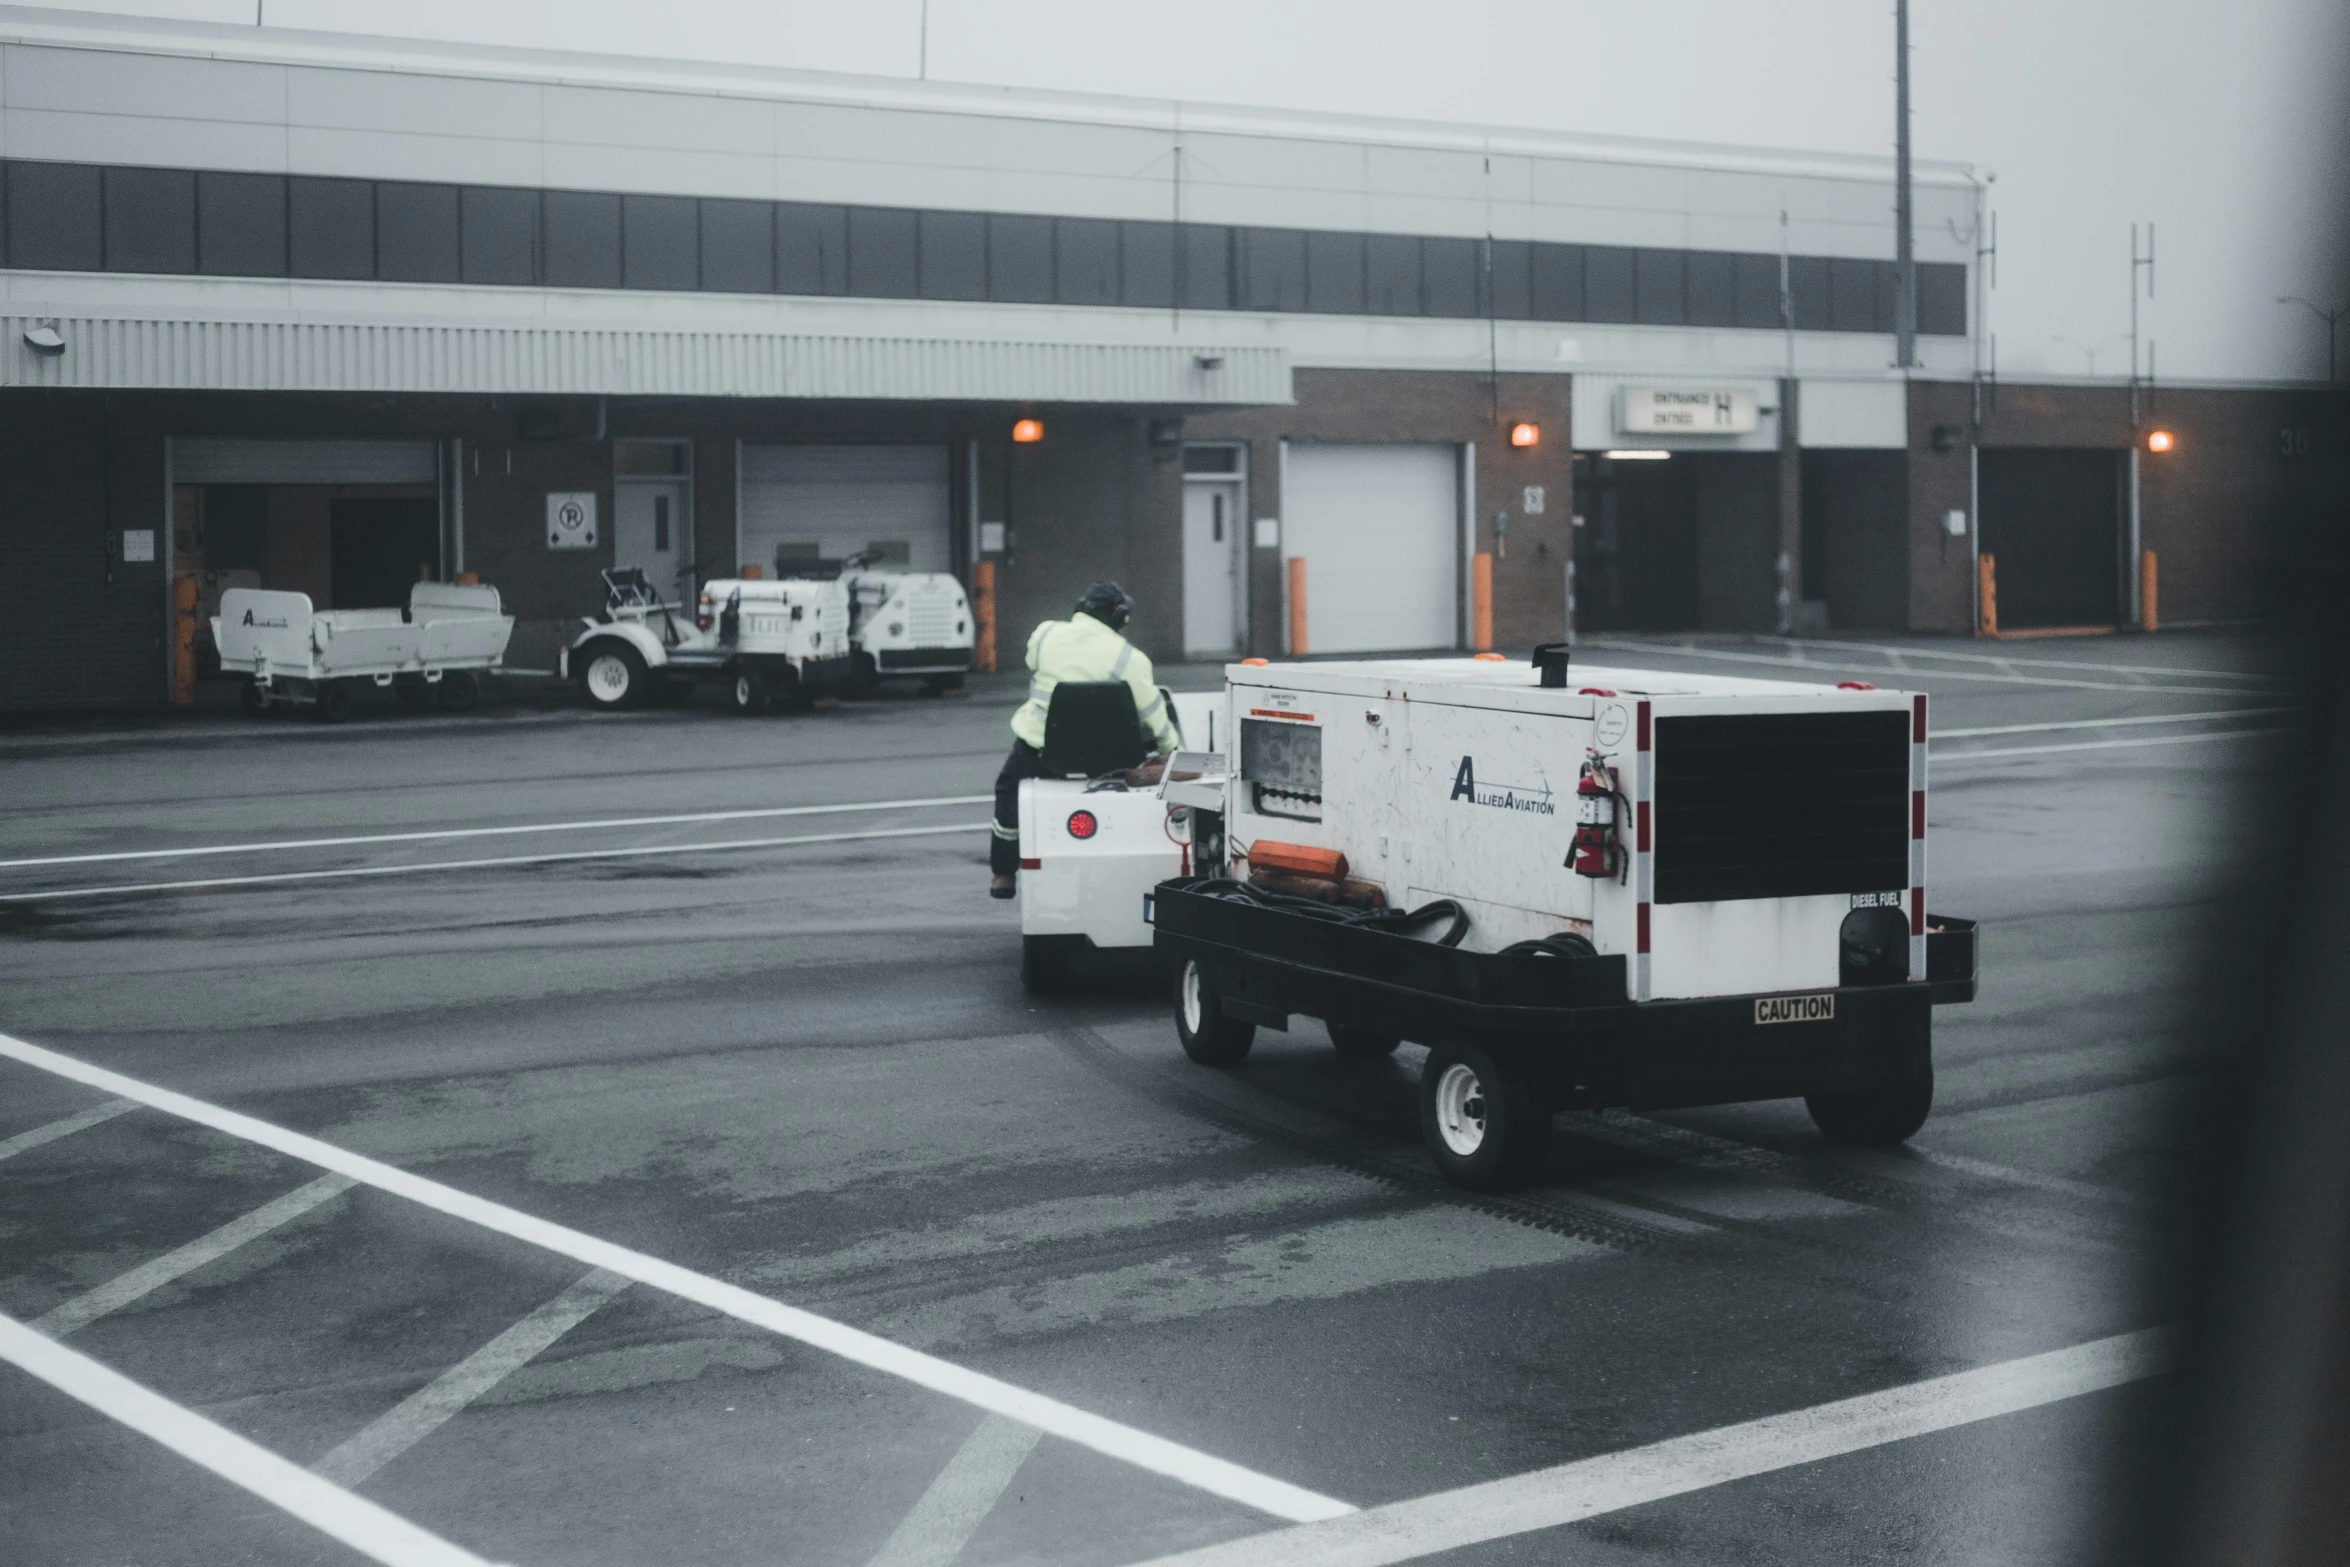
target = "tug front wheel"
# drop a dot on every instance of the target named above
(611, 675)
(1484, 1119)
(1208, 1036)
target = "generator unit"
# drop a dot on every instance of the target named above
(766, 641)
(1620, 889)
(909, 624)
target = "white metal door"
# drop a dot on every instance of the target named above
(1379, 530)
(1211, 567)
(651, 528)
(829, 502)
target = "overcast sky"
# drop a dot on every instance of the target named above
(2224, 124)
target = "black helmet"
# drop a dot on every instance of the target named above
(1108, 603)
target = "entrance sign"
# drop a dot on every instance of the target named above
(1686, 410)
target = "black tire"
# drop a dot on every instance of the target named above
(1046, 964)
(459, 692)
(1209, 1037)
(1876, 1117)
(940, 685)
(1483, 1118)
(413, 693)
(252, 698)
(1362, 1044)
(335, 701)
(611, 674)
(747, 692)
(864, 675)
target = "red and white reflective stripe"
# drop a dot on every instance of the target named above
(1643, 875)
(1917, 837)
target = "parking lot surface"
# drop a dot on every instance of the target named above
(624, 1139)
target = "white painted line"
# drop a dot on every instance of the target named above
(2009, 661)
(438, 1402)
(2110, 723)
(1985, 1170)
(378, 1535)
(445, 834)
(1547, 1498)
(1941, 760)
(1122, 1442)
(962, 1496)
(283, 878)
(78, 1122)
(149, 1277)
(1676, 651)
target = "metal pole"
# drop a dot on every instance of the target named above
(1905, 261)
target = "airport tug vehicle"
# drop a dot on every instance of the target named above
(766, 641)
(908, 623)
(1619, 888)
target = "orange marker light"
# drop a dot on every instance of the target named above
(1028, 431)
(1525, 434)
(2160, 440)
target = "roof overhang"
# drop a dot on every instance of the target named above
(377, 356)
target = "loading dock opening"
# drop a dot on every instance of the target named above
(1679, 541)
(2052, 518)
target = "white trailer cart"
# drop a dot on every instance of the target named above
(291, 653)
(1623, 888)
(909, 623)
(766, 641)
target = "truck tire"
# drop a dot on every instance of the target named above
(1362, 1044)
(1875, 1117)
(1209, 1037)
(747, 692)
(1483, 1117)
(413, 693)
(611, 674)
(459, 691)
(335, 701)
(1045, 964)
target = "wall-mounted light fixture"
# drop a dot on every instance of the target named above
(1637, 455)
(43, 338)
(2160, 440)
(1028, 431)
(1525, 434)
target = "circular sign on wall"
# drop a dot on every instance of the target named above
(571, 520)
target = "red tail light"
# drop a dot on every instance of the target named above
(1082, 824)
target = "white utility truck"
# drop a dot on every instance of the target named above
(1620, 888)
(766, 641)
(293, 654)
(908, 623)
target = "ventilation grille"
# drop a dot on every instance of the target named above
(1781, 805)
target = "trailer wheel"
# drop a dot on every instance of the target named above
(252, 698)
(611, 675)
(1362, 1044)
(1208, 1036)
(1483, 1118)
(748, 692)
(459, 692)
(334, 701)
(1876, 1117)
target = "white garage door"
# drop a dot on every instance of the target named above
(1379, 530)
(832, 501)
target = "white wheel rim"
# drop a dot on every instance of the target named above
(1460, 1110)
(742, 690)
(1193, 1006)
(607, 677)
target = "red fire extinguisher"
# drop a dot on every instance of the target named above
(1596, 852)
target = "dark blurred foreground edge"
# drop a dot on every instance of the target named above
(2243, 1457)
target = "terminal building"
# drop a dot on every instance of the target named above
(330, 314)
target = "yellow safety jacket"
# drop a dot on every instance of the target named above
(1083, 648)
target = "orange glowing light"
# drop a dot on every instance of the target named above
(1028, 431)
(1525, 434)
(2160, 441)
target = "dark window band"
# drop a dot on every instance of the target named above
(84, 218)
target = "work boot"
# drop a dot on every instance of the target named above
(1003, 887)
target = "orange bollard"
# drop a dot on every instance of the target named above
(183, 640)
(1481, 602)
(2147, 619)
(983, 616)
(1987, 589)
(1297, 606)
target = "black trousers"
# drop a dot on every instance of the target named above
(1003, 850)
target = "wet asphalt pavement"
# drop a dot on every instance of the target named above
(808, 1069)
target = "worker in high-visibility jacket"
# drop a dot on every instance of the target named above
(1089, 645)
